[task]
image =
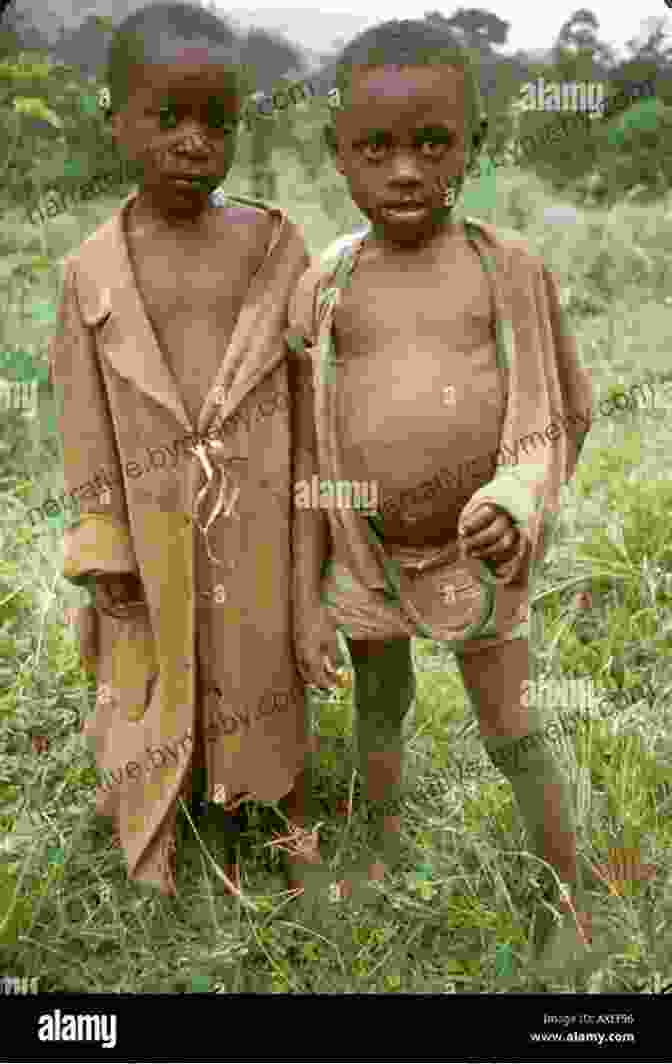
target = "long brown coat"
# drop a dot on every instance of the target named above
(222, 627)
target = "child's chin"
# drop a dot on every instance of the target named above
(402, 226)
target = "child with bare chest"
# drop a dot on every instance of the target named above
(420, 343)
(172, 331)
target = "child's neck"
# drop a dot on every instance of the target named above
(146, 210)
(444, 230)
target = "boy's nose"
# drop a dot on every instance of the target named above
(405, 169)
(193, 140)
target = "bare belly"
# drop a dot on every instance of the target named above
(411, 419)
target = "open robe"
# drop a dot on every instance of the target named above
(222, 627)
(369, 588)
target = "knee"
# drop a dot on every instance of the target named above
(385, 681)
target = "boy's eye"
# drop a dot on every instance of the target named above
(432, 148)
(375, 150)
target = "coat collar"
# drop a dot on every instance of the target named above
(110, 300)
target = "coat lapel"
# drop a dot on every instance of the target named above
(125, 334)
(247, 359)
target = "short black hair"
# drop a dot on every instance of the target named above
(413, 42)
(146, 37)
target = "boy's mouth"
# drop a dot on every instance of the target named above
(404, 212)
(203, 182)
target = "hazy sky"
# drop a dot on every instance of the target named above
(533, 25)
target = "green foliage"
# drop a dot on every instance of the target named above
(48, 119)
(637, 149)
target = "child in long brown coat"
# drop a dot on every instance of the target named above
(430, 354)
(171, 345)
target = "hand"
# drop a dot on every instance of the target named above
(114, 591)
(490, 534)
(316, 646)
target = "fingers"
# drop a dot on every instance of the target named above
(318, 671)
(490, 533)
(501, 548)
(313, 674)
(113, 591)
(477, 522)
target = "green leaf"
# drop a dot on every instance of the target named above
(37, 108)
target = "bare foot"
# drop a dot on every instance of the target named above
(377, 869)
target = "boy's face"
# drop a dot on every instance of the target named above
(401, 145)
(180, 124)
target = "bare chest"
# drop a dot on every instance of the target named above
(444, 307)
(418, 383)
(193, 303)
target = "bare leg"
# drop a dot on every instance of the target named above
(384, 692)
(493, 679)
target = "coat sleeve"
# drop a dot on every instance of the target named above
(100, 540)
(530, 492)
(575, 385)
(310, 532)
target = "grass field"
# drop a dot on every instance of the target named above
(456, 916)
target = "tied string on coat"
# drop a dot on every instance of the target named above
(228, 489)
